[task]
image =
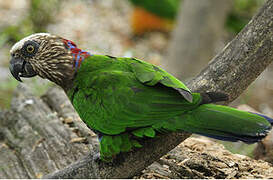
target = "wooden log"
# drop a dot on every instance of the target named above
(35, 141)
(231, 72)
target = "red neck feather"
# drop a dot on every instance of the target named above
(78, 54)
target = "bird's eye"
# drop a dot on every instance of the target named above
(30, 48)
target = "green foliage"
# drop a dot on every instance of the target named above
(164, 8)
(40, 14)
(14, 33)
(6, 90)
(242, 12)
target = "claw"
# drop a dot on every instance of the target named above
(96, 157)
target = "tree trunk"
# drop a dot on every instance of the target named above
(40, 136)
(199, 31)
(35, 142)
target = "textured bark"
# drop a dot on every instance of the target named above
(35, 141)
(195, 158)
(40, 136)
(242, 60)
(201, 158)
(198, 34)
(231, 71)
(264, 150)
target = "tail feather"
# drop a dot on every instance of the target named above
(212, 97)
(234, 138)
(270, 120)
(226, 123)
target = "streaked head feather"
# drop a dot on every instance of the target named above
(17, 46)
(53, 60)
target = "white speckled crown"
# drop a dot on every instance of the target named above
(20, 43)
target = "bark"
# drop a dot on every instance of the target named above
(35, 142)
(264, 150)
(30, 158)
(201, 158)
(242, 60)
(198, 33)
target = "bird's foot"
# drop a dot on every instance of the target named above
(96, 157)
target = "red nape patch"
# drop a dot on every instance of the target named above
(68, 43)
(78, 54)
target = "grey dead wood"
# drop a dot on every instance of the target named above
(231, 71)
(264, 150)
(242, 60)
(35, 141)
(196, 158)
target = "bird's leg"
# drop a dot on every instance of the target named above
(96, 157)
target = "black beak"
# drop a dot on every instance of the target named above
(20, 68)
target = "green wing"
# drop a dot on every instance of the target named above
(151, 75)
(122, 97)
(128, 94)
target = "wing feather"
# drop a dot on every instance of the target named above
(114, 100)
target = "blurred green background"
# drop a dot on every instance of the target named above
(105, 27)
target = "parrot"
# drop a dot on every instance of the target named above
(153, 16)
(125, 100)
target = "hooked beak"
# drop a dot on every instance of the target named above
(20, 68)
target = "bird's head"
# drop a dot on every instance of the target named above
(46, 55)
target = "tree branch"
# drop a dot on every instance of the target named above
(242, 60)
(231, 71)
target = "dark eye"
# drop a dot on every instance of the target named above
(30, 48)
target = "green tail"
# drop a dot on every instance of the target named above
(215, 121)
(225, 123)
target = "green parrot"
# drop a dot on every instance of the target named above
(126, 99)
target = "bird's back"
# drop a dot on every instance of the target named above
(110, 98)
